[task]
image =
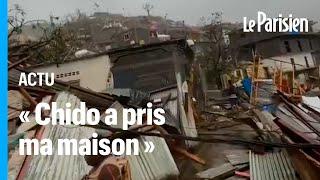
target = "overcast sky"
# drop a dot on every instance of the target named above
(188, 10)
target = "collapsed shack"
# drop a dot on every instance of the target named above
(157, 165)
(162, 71)
(64, 167)
(40, 167)
(164, 84)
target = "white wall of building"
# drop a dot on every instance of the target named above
(299, 58)
(93, 73)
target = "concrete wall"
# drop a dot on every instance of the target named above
(92, 73)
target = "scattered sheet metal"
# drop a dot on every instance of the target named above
(269, 166)
(287, 117)
(312, 102)
(56, 167)
(238, 157)
(219, 172)
(304, 117)
(170, 105)
(153, 166)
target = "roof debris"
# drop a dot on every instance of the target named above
(239, 132)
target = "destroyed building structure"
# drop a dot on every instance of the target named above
(165, 66)
(283, 140)
(296, 48)
(132, 68)
(290, 59)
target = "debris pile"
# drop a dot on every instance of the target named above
(171, 95)
(236, 134)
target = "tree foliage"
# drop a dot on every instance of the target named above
(61, 46)
(16, 19)
(56, 44)
(148, 7)
(215, 55)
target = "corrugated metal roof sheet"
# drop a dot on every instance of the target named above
(56, 167)
(269, 166)
(171, 104)
(153, 166)
(180, 120)
(285, 114)
(312, 102)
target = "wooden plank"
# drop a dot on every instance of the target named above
(221, 171)
(236, 159)
(189, 155)
(242, 174)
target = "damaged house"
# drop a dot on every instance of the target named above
(290, 59)
(146, 68)
(80, 71)
(160, 71)
(157, 71)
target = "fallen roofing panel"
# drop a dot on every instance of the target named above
(171, 103)
(170, 106)
(304, 117)
(268, 166)
(219, 172)
(56, 167)
(312, 102)
(286, 116)
(153, 166)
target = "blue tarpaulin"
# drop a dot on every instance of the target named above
(247, 83)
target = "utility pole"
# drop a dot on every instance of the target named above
(166, 25)
(185, 29)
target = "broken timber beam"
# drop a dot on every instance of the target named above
(188, 155)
